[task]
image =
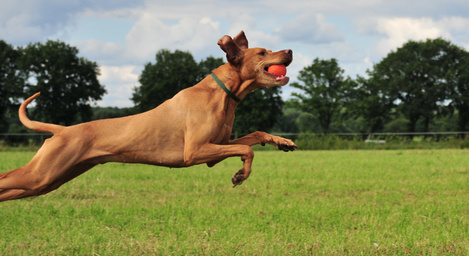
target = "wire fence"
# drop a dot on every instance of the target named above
(376, 135)
(19, 139)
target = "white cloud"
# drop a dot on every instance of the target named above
(26, 21)
(310, 29)
(400, 30)
(106, 53)
(395, 31)
(121, 36)
(123, 79)
(22, 24)
(151, 34)
(244, 21)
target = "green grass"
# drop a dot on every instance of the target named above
(389, 202)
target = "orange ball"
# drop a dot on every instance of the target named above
(279, 70)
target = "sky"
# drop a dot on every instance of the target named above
(122, 36)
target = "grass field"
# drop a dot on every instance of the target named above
(413, 202)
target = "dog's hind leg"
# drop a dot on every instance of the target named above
(9, 186)
(19, 183)
(59, 160)
(10, 194)
(20, 178)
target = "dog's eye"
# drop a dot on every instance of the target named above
(263, 53)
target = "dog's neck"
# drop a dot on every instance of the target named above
(233, 81)
(220, 83)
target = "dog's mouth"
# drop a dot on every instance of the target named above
(279, 79)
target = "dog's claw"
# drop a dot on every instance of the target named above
(238, 178)
(287, 147)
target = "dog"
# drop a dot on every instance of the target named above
(193, 127)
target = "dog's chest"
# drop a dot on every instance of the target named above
(223, 135)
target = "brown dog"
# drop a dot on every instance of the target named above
(192, 128)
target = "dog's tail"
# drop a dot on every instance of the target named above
(34, 125)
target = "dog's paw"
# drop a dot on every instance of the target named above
(238, 178)
(286, 145)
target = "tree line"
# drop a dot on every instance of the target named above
(421, 86)
(68, 83)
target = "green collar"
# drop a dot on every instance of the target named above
(225, 89)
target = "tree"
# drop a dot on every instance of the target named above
(11, 80)
(68, 83)
(325, 90)
(460, 94)
(421, 76)
(259, 110)
(372, 101)
(207, 66)
(458, 75)
(160, 81)
(287, 122)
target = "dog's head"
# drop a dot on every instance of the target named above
(252, 63)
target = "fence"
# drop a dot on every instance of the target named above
(16, 139)
(376, 135)
(403, 140)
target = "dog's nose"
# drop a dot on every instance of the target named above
(289, 52)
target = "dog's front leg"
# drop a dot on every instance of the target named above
(263, 138)
(210, 153)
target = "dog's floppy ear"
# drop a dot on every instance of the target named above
(241, 40)
(234, 54)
